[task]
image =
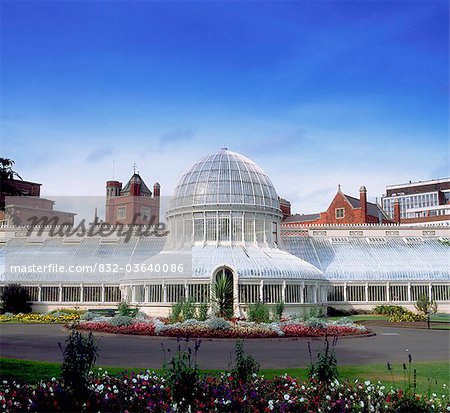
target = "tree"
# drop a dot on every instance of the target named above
(6, 171)
(7, 174)
(223, 296)
(426, 306)
(15, 299)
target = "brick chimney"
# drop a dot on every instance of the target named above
(285, 207)
(135, 188)
(113, 188)
(363, 200)
(397, 211)
(156, 189)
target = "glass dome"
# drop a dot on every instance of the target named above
(225, 177)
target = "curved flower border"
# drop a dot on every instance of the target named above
(220, 328)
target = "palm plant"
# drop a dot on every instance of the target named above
(222, 296)
(7, 174)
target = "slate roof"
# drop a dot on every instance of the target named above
(372, 209)
(136, 178)
(301, 218)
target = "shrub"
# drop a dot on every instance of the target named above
(336, 312)
(425, 305)
(183, 376)
(65, 311)
(258, 312)
(343, 321)
(188, 309)
(218, 324)
(80, 354)
(203, 312)
(407, 317)
(398, 314)
(389, 310)
(124, 309)
(315, 323)
(88, 316)
(15, 299)
(175, 312)
(121, 320)
(325, 368)
(278, 310)
(246, 365)
(313, 312)
(141, 316)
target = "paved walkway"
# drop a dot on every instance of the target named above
(40, 342)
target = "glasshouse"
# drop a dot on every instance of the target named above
(224, 221)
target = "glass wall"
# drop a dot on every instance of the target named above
(224, 227)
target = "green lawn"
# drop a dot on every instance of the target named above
(362, 317)
(430, 376)
(440, 317)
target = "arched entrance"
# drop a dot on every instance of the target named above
(223, 292)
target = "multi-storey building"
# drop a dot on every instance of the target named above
(419, 202)
(132, 204)
(23, 205)
(343, 209)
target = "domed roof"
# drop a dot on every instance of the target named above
(225, 177)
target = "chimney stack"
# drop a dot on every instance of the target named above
(397, 210)
(156, 189)
(113, 188)
(135, 188)
(363, 200)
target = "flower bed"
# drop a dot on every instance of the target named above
(149, 392)
(220, 328)
(39, 318)
(146, 329)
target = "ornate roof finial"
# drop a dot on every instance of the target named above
(224, 148)
(134, 168)
(339, 187)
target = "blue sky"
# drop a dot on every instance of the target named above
(318, 93)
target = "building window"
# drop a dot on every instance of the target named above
(146, 214)
(340, 212)
(121, 212)
(274, 232)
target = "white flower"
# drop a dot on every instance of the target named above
(361, 403)
(367, 382)
(286, 397)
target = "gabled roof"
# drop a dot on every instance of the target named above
(372, 209)
(301, 218)
(136, 178)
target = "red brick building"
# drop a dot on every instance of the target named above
(343, 209)
(132, 204)
(285, 207)
(26, 206)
